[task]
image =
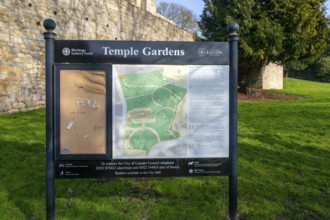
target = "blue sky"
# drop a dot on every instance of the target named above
(194, 5)
(197, 5)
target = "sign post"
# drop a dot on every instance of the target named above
(233, 39)
(49, 36)
(141, 109)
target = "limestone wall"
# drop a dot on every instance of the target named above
(272, 77)
(22, 79)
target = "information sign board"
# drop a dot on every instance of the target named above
(140, 109)
(135, 108)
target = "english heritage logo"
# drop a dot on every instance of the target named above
(66, 51)
(76, 52)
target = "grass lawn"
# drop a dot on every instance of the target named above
(284, 170)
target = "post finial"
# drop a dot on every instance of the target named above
(232, 27)
(49, 24)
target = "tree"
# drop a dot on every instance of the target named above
(182, 16)
(282, 31)
(327, 50)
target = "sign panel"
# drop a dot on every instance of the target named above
(82, 112)
(170, 111)
(83, 101)
(142, 168)
(155, 109)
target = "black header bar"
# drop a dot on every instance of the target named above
(142, 52)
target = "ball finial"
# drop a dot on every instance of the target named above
(232, 27)
(49, 24)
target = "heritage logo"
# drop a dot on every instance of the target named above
(66, 51)
(76, 52)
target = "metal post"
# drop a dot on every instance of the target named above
(49, 37)
(233, 39)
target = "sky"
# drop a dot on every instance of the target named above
(198, 5)
(194, 5)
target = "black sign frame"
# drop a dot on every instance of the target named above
(76, 54)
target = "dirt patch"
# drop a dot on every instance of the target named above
(267, 95)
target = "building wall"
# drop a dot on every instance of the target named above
(272, 77)
(22, 76)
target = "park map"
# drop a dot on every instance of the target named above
(150, 112)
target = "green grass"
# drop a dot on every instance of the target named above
(313, 91)
(284, 161)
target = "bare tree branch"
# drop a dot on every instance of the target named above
(181, 15)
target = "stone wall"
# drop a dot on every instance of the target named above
(272, 76)
(22, 79)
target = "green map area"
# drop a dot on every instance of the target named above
(152, 101)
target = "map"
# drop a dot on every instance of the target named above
(170, 111)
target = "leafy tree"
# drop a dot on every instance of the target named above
(281, 31)
(181, 15)
(327, 50)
